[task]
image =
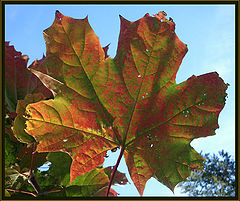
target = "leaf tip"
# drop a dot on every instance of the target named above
(172, 188)
(57, 12)
(161, 15)
(25, 58)
(86, 18)
(124, 23)
(58, 15)
(146, 15)
(123, 20)
(105, 49)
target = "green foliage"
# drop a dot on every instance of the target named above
(63, 160)
(217, 178)
(48, 183)
(10, 151)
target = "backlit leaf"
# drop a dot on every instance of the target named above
(19, 122)
(131, 101)
(19, 81)
(60, 167)
(92, 183)
(13, 178)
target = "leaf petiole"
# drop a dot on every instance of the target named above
(115, 170)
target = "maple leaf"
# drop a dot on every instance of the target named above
(19, 122)
(92, 183)
(13, 178)
(19, 81)
(131, 101)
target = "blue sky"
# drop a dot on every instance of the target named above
(208, 30)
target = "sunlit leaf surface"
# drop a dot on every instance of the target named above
(131, 100)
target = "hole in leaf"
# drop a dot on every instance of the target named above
(151, 145)
(187, 111)
(146, 93)
(143, 96)
(185, 115)
(139, 75)
(147, 50)
(205, 94)
(183, 111)
(149, 137)
(65, 140)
